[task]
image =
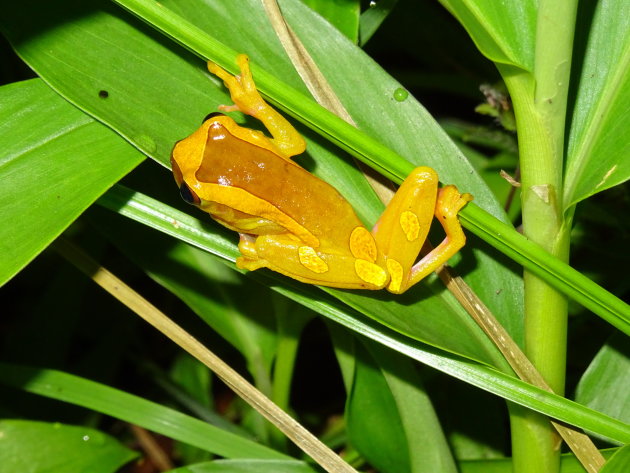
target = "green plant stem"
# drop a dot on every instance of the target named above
(540, 107)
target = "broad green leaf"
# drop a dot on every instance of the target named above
(133, 409)
(247, 466)
(390, 417)
(599, 142)
(619, 463)
(164, 93)
(503, 31)
(41, 447)
(606, 383)
(56, 161)
(342, 14)
(142, 104)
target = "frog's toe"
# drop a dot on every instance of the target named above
(250, 264)
(450, 201)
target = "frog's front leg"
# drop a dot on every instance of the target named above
(247, 100)
(402, 229)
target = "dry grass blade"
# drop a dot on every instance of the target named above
(306, 441)
(579, 443)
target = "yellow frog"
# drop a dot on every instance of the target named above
(293, 222)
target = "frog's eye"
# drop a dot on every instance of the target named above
(212, 115)
(189, 195)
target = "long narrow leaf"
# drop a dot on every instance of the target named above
(133, 409)
(177, 224)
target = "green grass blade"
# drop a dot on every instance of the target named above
(150, 415)
(59, 448)
(549, 268)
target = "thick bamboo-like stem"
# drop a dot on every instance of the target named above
(540, 104)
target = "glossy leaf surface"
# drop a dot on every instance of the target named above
(29, 446)
(56, 161)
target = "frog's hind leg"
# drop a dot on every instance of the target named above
(403, 228)
(247, 100)
(448, 205)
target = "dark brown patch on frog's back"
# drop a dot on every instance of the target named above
(307, 199)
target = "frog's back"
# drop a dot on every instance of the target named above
(307, 199)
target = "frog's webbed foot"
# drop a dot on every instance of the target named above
(450, 202)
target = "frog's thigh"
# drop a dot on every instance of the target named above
(286, 255)
(404, 225)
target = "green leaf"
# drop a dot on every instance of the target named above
(606, 383)
(390, 418)
(117, 59)
(247, 466)
(619, 463)
(56, 161)
(133, 409)
(41, 447)
(599, 142)
(342, 14)
(494, 26)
